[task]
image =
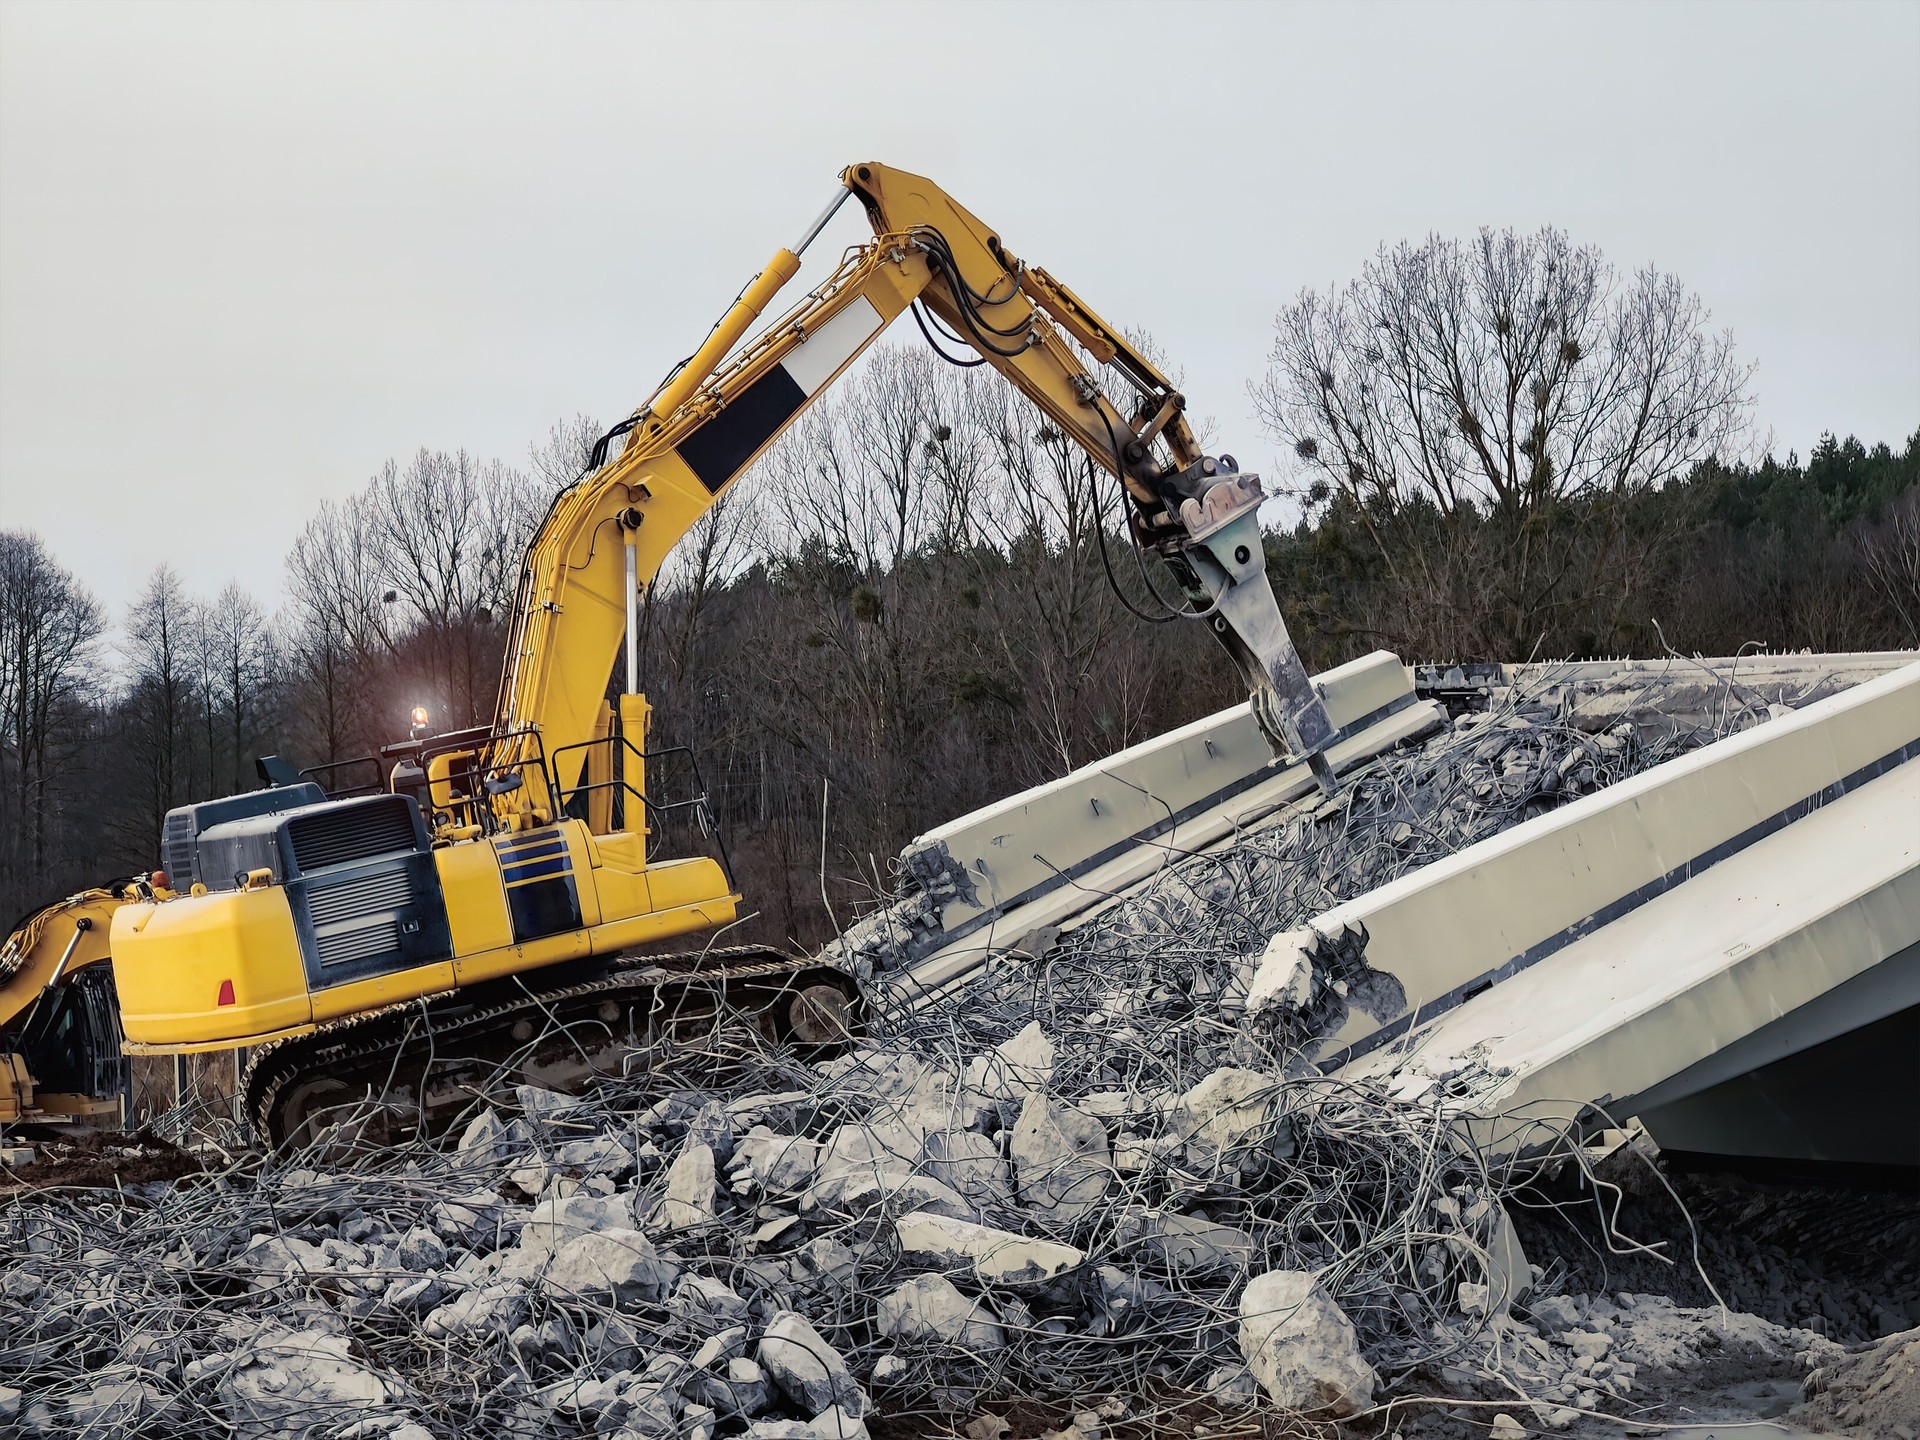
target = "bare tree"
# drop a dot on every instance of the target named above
(325, 699)
(450, 532)
(1890, 555)
(715, 550)
(335, 575)
(1069, 650)
(850, 505)
(241, 646)
(421, 566)
(161, 692)
(562, 456)
(1482, 411)
(49, 635)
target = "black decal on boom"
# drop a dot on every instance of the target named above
(716, 451)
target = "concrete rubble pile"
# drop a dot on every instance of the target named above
(1085, 1184)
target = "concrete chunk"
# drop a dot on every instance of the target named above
(1553, 1313)
(970, 1164)
(688, 1202)
(1014, 1069)
(278, 1258)
(1232, 1387)
(706, 1303)
(773, 1164)
(874, 1197)
(539, 1104)
(120, 1403)
(1226, 1112)
(1301, 1347)
(995, 1257)
(620, 1265)
(489, 1308)
(420, 1249)
(927, 1307)
(1061, 1158)
(287, 1377)
(1283, 976)
(806, 1368)
(1183, 1244)
(602, 1155)
(470, 1219)
(483, 1139)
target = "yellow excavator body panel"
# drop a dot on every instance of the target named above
(231, 968)
(176, 961)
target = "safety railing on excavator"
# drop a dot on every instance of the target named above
(695, 812)
(460, 794)
(470, 792)
(322, 775)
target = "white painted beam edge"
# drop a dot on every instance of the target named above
(1462, 919)
(1350, 691)
(1109, 883)
(1671, 983)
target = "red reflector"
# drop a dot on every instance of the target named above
(226, 993)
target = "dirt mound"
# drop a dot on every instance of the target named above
(1873, 1391)
(99, 1160)
(1837, 1261)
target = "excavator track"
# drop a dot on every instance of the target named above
(413, 1068)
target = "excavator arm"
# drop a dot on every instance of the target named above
(606, 537)
(59, 1034)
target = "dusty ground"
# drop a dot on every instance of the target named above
(100, 1159)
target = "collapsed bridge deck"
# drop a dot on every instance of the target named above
(1726, 946)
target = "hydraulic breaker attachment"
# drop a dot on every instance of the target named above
(1220, 513)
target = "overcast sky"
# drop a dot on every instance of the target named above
(249, 252)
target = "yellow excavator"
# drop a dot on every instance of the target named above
(482, 914)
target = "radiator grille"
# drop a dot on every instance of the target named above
(361, 942)
(358, 919)
(381, 890)
(352, 832)
(176, 847)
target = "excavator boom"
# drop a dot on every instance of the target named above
(692, 440)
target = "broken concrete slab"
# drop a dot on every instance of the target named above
(966, 895)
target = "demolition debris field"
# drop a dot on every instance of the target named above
(1084, 1198)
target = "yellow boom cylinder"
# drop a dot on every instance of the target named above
(763, 287)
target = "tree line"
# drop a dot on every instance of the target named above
(922, 597)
